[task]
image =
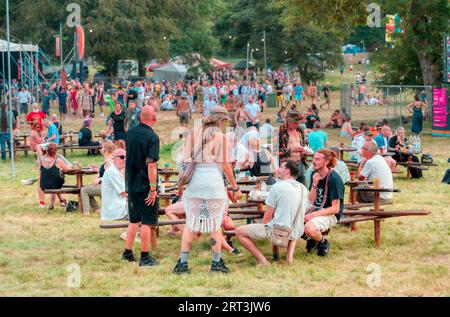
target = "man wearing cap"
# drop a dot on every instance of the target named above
(292, 143)
(141, 179)
(184, 110)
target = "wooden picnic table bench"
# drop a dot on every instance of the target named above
(64, 148)
(155, 229)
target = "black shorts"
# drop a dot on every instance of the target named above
(140, 212)
(63, 109)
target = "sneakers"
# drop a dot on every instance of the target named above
(128, 257)
(311, 245)
(29, 181)
(236, 252)
(219, 267)
(323, 248)
(181, 268)
(41, 205)
(148, 261)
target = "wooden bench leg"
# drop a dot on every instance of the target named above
(377, 233)
(275, 253)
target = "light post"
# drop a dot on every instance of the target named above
(11, 152)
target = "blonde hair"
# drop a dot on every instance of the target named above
(109, 147)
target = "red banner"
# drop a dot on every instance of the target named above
(58, 46)
(80, 42)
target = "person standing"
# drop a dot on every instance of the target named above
(184, 110)
(292, 143)
(206, 201)
(252, 112)
(132, 116)
(141, 179)
(84, 100)
(45, 99)
(5, 135)
(62, 98)
(117, 123)
(327, 96)
(24, 100)
(415, 108)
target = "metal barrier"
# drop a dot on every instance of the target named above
(382, 101)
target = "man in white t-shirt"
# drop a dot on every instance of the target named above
(267, 132)
(252, 112)
(141, 94)
(286, 206)
(240, 152)
(114, 197)
(374, 166)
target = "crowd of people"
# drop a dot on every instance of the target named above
(233, 137)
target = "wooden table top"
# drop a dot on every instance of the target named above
(376, 190)
(80, 171)
(357, 183)
(167, 172)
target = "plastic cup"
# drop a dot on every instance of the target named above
(376, 182)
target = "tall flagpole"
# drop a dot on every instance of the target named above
(11, 152)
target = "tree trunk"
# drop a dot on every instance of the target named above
(142, 70)
(430, 70)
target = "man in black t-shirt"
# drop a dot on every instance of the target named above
(141, 179)
(85, 136)
(327, 196)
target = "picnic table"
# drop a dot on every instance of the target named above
(343, 149)
(377, 206)
(167, 173)
(352, 195)
(23, 136)
(79, 173)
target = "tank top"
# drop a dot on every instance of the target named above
(262, 165)
(51, 178)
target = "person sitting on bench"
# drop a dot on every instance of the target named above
(399, 144)
(327, 197)
(114, 197)
(287, 199)
(85, 137)
(374, 166)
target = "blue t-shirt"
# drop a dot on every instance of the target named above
(299, 90)
(252, 109)
(52, 130)
(62, 96)
(317, 140)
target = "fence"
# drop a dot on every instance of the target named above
(383, 102)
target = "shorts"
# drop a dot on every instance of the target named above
(63, 109)
(324, 223)
(184, 117)
(361, 97)
(140, 212)
(259, 231)
(280, 98)
(24, 108)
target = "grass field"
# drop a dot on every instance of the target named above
(39, 247)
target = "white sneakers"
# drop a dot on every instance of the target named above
(123, 236)
(29, 181)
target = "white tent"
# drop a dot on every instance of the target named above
(14, 47)
(170, 72)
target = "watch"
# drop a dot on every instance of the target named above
(235, 190)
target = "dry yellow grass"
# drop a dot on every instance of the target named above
(37, 246)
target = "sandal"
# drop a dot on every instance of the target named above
(63, 203)
(51, 207)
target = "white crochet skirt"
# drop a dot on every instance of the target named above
(205, 199)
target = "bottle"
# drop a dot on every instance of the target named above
(417, 144)
(162, 187)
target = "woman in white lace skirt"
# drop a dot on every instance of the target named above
(205, 199)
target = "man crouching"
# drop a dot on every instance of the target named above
(286, 206)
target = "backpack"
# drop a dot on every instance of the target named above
(427, 158)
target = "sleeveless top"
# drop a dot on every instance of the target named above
(51, 178)
(262, 166)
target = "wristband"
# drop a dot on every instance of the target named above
(152, 185)
(235, 190)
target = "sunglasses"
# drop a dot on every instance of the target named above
(122, 157)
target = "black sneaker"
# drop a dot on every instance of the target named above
(148, 261)
(323, 247)
(181, 268)
(128, 257)
(311, 245)
(219, 267)
(236, 252)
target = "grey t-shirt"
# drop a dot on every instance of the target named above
(287, 198)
